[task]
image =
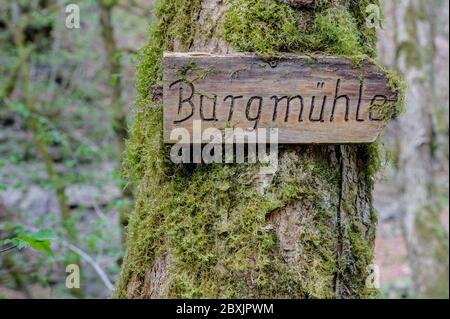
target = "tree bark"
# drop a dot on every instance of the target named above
(218, 241)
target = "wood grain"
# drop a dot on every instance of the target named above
(249, 92)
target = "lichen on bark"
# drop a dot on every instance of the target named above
(208, 231)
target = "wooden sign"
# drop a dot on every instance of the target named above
(310, 100)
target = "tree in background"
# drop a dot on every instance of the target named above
(18, 20)
(227, 230)
(57, 148)
(426, 238)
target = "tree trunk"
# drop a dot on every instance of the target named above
(114, 72)
(426, 239)
(209, 231)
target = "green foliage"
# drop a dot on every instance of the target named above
(39, 240)
(177, 19)
(70, 120)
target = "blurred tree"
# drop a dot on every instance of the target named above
(115, 72)
(113, 56)
(74, 116)
(426, 238)
(21, 72)
(233, 230)
(119, 118)
(18, 20)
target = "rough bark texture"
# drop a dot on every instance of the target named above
(214, 231)
(427, 241)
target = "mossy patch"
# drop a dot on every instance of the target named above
(392, 109)
(268, 27)
(176, 23)
(262, 26)
(337, 32)
(212, 221)
(397, 85)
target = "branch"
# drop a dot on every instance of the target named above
(11, 82)
(8, 249)
(103, 276)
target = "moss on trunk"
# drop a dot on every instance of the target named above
(208, 231)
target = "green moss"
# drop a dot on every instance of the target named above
(411, 52)
(410, 48)
(268, 27)
(397, 85)
(191, 72)
(306, 181)
(356, 268)
(371, 154)
(176, 20)
(393, 108)
(357, 224)
(262, 26)
(368, 35)
(149, 68)
(213, 224)
(337, 32)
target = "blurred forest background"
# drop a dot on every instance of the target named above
(66, 96)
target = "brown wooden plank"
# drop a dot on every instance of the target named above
(201, 86)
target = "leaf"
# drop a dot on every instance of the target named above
(114, 78)
(39, 240)
(42, 246)
(20, 108)
(43, 234)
